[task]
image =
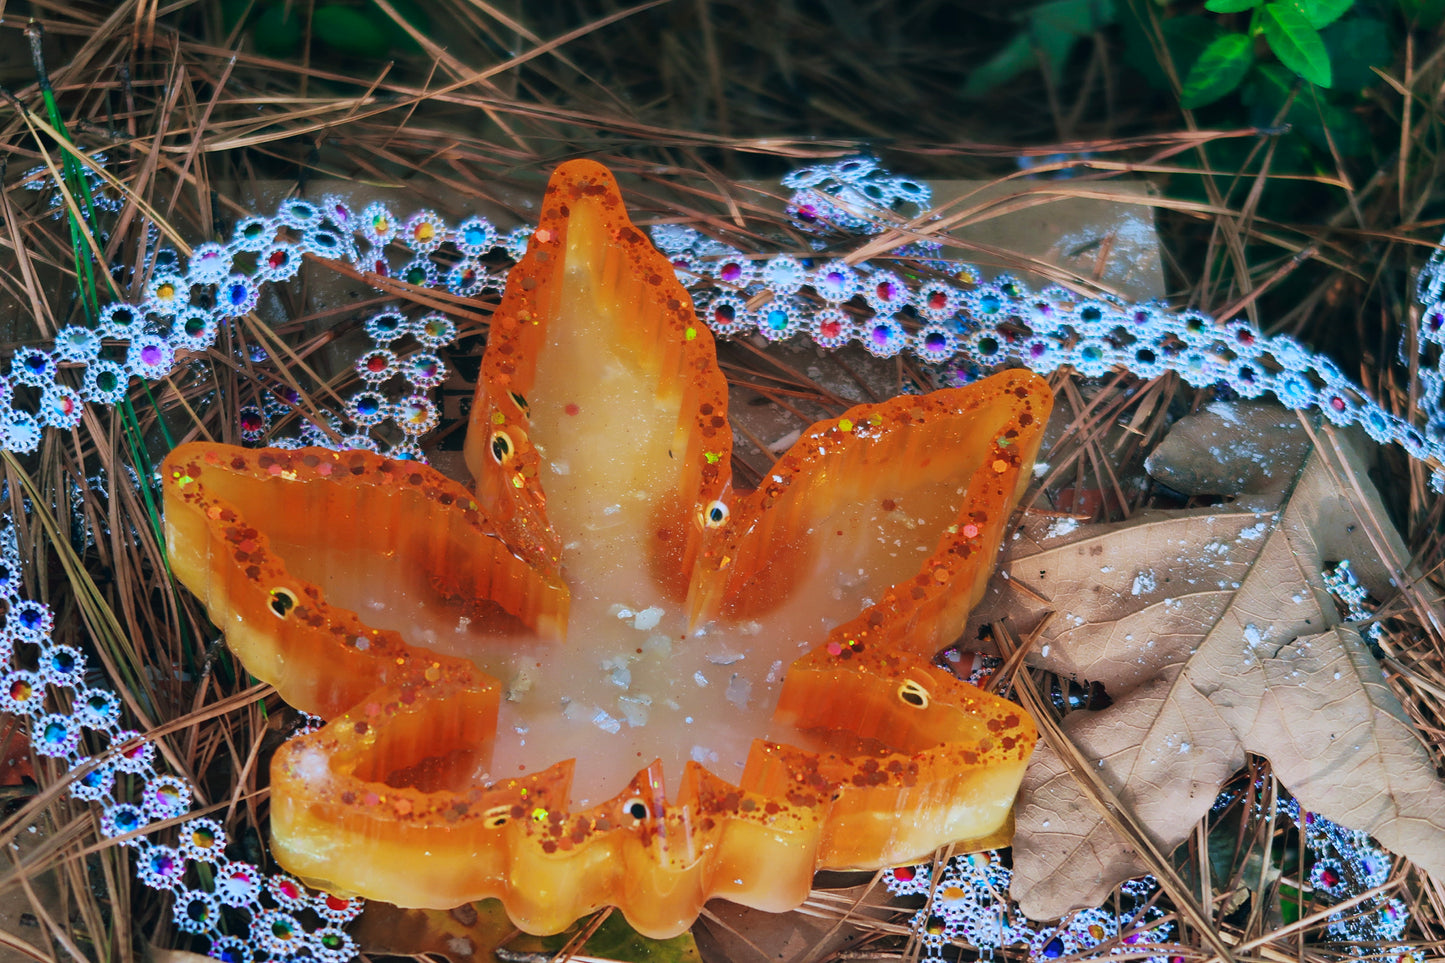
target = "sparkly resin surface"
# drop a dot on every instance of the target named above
(604, 677)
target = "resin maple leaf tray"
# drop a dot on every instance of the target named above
(604, 677)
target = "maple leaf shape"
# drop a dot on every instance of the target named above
(1215, 635)
(496, 666)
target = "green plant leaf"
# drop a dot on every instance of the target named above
(1051, 30)
(1219, 70)
(350, 31)
(1231, 6)
(1356, 44)
(1345, 128)
(1021, 54)
(1016, 56)
(412, 13)
(1053, 43)
(1322, 13)
(277, 32)
(1297, 45)
(1077, 17)
(615, 940)
(1268, 89)
(1185, 38)
(232, 11)
(1425, 14)
(1289, 900)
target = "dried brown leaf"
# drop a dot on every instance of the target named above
(467, 933)
(1215, 635)
(730, 933)
(1232, 448)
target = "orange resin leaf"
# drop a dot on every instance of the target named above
(286, 547)
(511, 679)
(849, 491)
(596, 358)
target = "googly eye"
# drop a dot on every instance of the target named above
(520, 402)
(502, 448)
(496, 817)
(715, 515)
(914, 694)
(636, 808)
(282, 602)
